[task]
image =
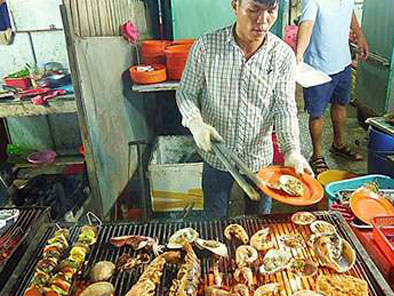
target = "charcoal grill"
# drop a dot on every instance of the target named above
(15, 240)
(279, 224)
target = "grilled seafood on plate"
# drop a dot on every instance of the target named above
(137, 242)
(290, 185)
(99, 289)
(261, 240)
(293, 241)
(102, 271)
(303, 218)
(334, 252)
(341, 285)
(244, 275)
(267, 289)
(320, 226)
(213, 246)
(275, 261)
(303, 267)
(188, 277)
(176, 239)
(236, 231)
(245, 255)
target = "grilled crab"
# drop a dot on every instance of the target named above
(236, 231)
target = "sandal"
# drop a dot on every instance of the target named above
(346, 152)
(318, 165)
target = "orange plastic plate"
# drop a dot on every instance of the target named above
(313, 191)
(365, 208)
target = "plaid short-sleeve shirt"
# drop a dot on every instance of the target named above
(242, 99)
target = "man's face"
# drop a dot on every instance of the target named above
(254, 19)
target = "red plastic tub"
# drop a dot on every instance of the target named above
(153, 51)
(22, 83)
(176, 57)
(383, 234)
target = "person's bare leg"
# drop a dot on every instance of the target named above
(316, 130)
(338, 117)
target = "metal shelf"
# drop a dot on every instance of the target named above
(18, 108)
(165, 86)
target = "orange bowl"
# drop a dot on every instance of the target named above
(159, 74)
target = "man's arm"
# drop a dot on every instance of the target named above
(361, 40)
(190, 87)
(303, 39)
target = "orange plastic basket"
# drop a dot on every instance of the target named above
(158, 75)
(383, 234)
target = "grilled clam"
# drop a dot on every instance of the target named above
(102, 271)
(236, 231)
(334, 252)
(275, 261)
(188, 234)
(245, 255)
(267, 289)
(213, 246)
(261, 241)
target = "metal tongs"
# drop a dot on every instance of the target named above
(238, 170)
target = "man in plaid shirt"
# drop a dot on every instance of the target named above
(238, 83)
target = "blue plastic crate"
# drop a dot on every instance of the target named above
(333, 188)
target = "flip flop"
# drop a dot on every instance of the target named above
(346, 152)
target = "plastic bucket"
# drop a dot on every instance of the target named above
(378, 163)
(153, 51)
(380, 141)
(176, 58)
(183, 41)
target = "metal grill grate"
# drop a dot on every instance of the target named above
(279, 224)
(15, 240)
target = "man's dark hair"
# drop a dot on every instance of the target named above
(269, 3)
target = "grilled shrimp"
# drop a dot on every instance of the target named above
(244, 275)
(245, 255)
(236, 231)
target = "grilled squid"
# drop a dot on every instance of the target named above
(245, 255)
(188, 277)
(150, 278)
(236, 231)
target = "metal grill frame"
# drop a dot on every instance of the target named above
(30, 219)
(20, 278)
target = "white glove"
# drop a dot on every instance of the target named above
(295, 160)
(203, 134)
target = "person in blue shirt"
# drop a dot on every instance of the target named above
(323, 43)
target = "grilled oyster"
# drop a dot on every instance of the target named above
(213, 246)
(294, 241)
(306, 293)
(275, 261)
(303, 268)
(320, 226)
(188, 234)
(267, 289)
(291, 185)
(244, 275)
(236, 231)
(261, 241)
(102, 271)
(240, 290)
(245, 255)
(334, 252)
(303, 218)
